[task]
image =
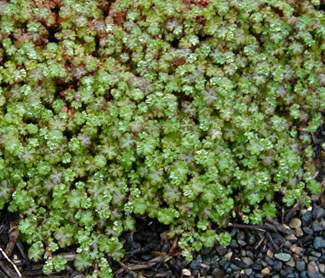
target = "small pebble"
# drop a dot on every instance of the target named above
(295, 223)
(248, 271)
(234, 244)
(321, 268)
(316, 254)
(269, 261)
(319, 213)
(319, 242)
(242, 253)
(265, 271)
(301, 265)
(235, 267)
(217, 273)
(312, 258)
(241, 235)
(221, 250)
(287, 244)
(222, 262)
(317, 227)
(307, 218)
(228, 256)
(239, 262)
(257, 266)
(291, 238)
(313, 271)
(304, 274)
(252, 240)
(283, 272)
(291, 263)
(250, 254)
(277, 266)
(296, 249)
(186, 272)
(322, 222)
(278, 239)
(284, 257)
(241, 242)
(299, 232)
(194, 265)
(308, 231)
(229, 270)
(248, 261)
(205, 266)
(269, 253)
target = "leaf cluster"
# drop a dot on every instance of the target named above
(190, 112)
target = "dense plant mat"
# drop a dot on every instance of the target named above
(188, 112)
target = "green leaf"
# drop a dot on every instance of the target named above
(36, 251)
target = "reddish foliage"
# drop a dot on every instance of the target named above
(178, 61)
(202, 3)
(118, 16)
(174, 246)
(164, 237)
(51, 4)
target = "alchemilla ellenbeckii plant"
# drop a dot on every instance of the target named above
(191, 112)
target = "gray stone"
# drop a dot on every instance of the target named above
(291, 237)
(287, 244)
(319, 242)
(319, 213)
(308, 231)
(248, 261)
(322, 222)
(284, 257)
(221, 250)
(300, 265)
(242, 253)
(248, 271)
(291, 263)
(235, 267)
(316, 254)
(313, 271)
(218, 273)
(322, 268)
(277, 266)
(299, 232)
(252, 240)
(307, 218)
(304, 274)
(317, 227)
(241, 242)
(194, 265)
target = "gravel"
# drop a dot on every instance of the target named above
(284, 257)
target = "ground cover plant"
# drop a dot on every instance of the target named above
(192, 112)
